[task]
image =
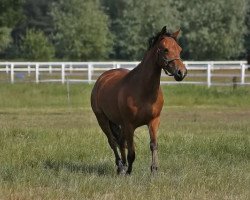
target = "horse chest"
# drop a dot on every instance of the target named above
(141, 112)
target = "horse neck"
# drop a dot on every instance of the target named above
(148, 75)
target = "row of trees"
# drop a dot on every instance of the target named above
(119, 29)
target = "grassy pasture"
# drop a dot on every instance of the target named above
(52, 148)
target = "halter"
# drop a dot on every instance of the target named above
(166, 63)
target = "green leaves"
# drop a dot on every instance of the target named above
(5, 38)
(10, 12)
(119, 29)
(35, 46)
(214, 30)
(138, 21)
(81, 30)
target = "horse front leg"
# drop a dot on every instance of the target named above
(129, 137)
(153, 128)
(123, 163)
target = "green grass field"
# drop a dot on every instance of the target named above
(52, 148)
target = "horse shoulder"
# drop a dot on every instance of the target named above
(132, 105)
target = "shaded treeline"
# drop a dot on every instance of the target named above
(119, 29)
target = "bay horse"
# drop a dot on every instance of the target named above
(123, 100)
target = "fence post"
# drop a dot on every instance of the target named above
(243, 68)
(209, 74)
(63, 73)
(7, 68)
(29, 70)
(12, 73)
(90, 66)
(114, 65)
(50, 69)
(37, 73)
(70, 68)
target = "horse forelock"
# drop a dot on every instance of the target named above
(152, 40)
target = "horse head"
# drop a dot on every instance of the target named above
(168, 54)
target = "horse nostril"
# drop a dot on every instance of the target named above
(179, 73)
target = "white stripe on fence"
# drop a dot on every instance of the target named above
(68, 69)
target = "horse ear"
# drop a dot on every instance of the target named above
(175, 34)
(164, 30)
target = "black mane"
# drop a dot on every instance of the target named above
(152, 40)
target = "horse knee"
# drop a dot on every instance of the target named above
(153, 146)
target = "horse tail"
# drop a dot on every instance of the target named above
(116, 132)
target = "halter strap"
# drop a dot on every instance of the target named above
(166, 63)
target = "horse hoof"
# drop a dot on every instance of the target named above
(128, 172)
(121, 170)
(154, 170)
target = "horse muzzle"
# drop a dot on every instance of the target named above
(180, 75)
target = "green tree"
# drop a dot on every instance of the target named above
(35, 46)
(247, 35)
(137, 21)
(10, 12)
(36, 16)
(82, 30)
(10, 15)
(213, 30)
(5, 38)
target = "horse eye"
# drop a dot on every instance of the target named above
(165, 50)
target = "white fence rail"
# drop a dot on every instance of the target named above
(200, 73)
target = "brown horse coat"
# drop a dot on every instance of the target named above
(123, 100)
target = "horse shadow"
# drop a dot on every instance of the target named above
(100, 169)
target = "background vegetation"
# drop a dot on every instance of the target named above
(52, 147)
(119, 29)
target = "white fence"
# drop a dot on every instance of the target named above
(200, 73)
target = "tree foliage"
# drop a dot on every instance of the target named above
(247, 35)
(35, 46)
(37, 16)
(5, 38)
(214, 29)
(10, 12)
(119, 29)
(81, 30)
(139, 20)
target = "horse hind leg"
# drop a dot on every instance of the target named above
(104, 123)
(128, 133)
(116, 131)
(120, 140)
